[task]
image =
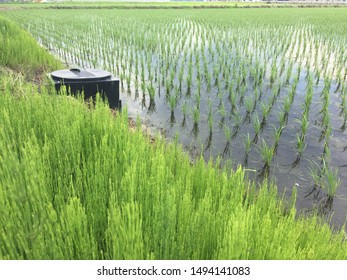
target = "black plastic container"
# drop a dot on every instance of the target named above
(91, 82)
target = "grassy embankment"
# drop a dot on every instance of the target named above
(76, 183)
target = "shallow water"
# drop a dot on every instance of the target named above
(281, 171)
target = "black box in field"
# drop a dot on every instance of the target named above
(90, 82)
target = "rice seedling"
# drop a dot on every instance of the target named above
(316, 173)
(237, 120)
(151, 93)
(265, 109)
(247, 142)
(223, 114)
(173, 103)
(122, 77)
(289, 73)
(249, 107)
(274, 73)
(257, 128)
(180, 76)
(197, 99)
(326, 127)
(232, 98)
(343, 126)
(143, 100)
(184, 112)
(208, 82)
(300, 147)
(266, 152)
(198, 86)
(343, 104)
(303, 125)
(196, 118)
(227, 134)
(210, 130)
(330, 184)
(277, 137)
(242, 94)
(168, 86)
(189, 83)
(128, 81)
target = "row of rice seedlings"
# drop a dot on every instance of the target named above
(343, 105)
(210, 129)
(182, 58)
(325, 121)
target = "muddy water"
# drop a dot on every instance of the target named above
(282, 171)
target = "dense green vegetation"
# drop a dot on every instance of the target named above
(77, 183)
(19, 51)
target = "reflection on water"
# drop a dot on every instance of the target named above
(237, 134)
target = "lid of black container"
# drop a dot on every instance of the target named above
(77, 74)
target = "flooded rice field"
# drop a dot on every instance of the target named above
(232, 138)
(263, 89)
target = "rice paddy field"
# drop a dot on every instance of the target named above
(262, 92)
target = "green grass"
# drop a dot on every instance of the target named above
(21, 53)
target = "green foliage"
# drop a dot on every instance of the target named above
(75, 185)
(19, 51)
